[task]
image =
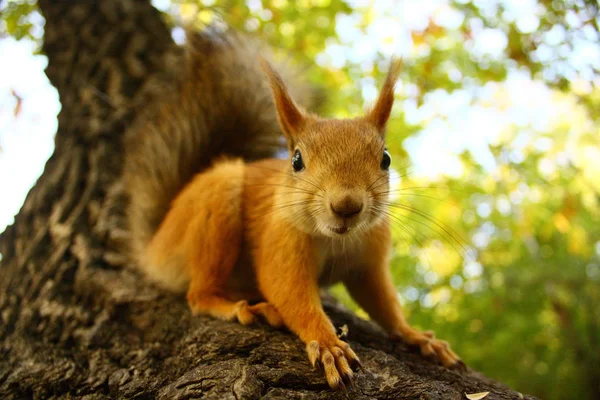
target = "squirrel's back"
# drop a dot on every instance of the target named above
(218, 103)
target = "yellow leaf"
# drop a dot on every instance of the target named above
(444, 261)
(476, 396)
(343, 331)
(578, 241)
(561, 223)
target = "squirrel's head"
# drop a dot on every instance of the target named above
(338, 176)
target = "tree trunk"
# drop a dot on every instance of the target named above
(76, 323)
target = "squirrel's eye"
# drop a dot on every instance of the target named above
(297, 162)
(386, 160)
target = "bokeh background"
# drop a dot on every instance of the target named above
(495, 140)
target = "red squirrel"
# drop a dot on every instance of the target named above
(248, 236)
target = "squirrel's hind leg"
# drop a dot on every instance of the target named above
(212, 203)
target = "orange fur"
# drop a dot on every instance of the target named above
(265, 233)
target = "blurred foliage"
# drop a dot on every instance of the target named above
(501, 257)
(20, 19)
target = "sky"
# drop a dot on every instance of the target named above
(468, 119)
(26, 139)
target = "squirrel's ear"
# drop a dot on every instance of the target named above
(291, 117)
(380, 113)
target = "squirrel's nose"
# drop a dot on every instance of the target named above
(346, 207)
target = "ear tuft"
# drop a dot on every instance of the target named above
(290, 116)
(380, 113)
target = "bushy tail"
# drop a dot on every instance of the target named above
(219, 103)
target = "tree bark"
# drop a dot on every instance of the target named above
(77, 323)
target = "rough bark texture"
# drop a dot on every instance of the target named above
(76, 323)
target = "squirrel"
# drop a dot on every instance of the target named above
(246, 235)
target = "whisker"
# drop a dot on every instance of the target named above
(315, 182)
(278, 207)
(383, 183)
(295, 176)
(298, 190)
(446, 188)
(417, 195)
(376, 180)
(449, 231)
(400, 224)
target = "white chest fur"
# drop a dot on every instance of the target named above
(338, 257)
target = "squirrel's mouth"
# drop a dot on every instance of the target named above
(339, 230)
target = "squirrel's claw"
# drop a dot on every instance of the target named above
(460, 365)
(432, 347)
(335, 360)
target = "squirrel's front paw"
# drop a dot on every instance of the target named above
(337, 360)
(431, 347)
